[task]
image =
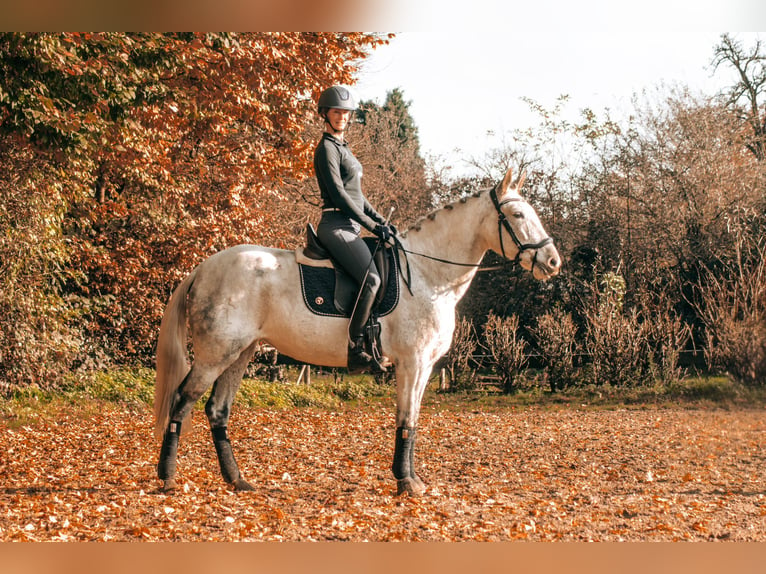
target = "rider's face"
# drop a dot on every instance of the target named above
(338, 119)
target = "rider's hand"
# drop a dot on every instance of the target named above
(383, 231)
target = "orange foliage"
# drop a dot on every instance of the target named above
(168, 145)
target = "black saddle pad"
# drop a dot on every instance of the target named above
(319, 292)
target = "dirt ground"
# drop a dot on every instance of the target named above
(565, 473)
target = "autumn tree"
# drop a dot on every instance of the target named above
(650, 198)
(153, 151)
(746, 94)
(37, 340)
(388, 143)
(676, 174)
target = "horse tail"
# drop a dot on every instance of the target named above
(172, 354)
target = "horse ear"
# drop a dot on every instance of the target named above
(506, 181)
(522, 179)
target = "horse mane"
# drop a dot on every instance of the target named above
(431, 216)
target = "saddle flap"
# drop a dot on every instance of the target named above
(330, 291)
(346, 291)
(382, 262)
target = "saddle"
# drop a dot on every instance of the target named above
(328, 290)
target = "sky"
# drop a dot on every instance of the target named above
(465, 66)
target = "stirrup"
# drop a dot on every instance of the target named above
(360, 361)
(372, 342)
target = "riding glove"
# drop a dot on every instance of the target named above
(383, 231)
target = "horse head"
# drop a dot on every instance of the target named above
(517, 219)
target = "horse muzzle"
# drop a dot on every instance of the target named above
(544, 263)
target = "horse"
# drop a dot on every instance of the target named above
(247, 296)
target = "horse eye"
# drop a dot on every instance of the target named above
(518, 215)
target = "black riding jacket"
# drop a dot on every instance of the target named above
(339, 175)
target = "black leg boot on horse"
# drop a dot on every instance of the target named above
(361, 356)
(226, 461)
(407, 480)
(166, 467)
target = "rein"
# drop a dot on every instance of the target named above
(502, 223)
(447, 261)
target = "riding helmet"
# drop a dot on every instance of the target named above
(337, 97)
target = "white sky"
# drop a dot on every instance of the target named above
(465, 66)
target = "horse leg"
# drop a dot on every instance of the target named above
(409, 395)
(218, 410)
(407, 480)
(197, 381)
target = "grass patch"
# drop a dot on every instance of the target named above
(134, 388)
(323, 392)
(694, 392)
(127, 389)
(83, 394)
(717, 390)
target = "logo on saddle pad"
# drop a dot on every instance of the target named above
(328, 290)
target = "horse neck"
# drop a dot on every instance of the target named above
(457, 232)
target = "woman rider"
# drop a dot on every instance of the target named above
(345, 211)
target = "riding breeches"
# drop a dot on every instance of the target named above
(340, 237)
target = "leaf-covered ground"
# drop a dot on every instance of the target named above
(493, 474)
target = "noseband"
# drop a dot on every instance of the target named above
(502, 222)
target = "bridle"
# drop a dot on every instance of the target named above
(502, 223)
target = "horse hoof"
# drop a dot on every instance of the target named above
(169, 485)
(410, 486)
(242, 485)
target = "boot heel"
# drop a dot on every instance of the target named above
(360, 361)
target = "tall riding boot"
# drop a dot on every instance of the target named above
(361, 360)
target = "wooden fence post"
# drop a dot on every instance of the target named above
(304, 375)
